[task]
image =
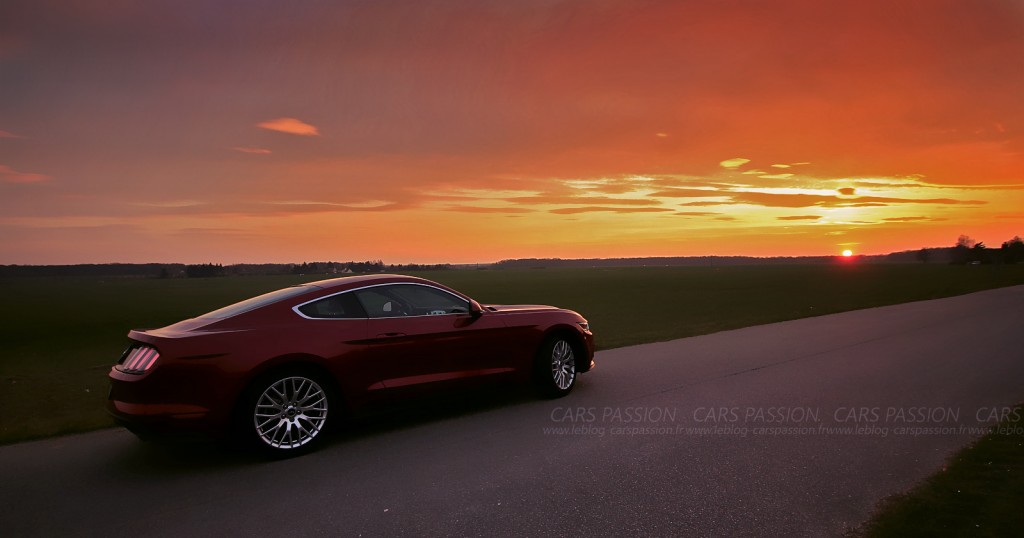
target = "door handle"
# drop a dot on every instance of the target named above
(390, 335)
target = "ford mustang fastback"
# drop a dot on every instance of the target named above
(278, 369)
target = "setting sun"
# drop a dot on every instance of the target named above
(847, 253)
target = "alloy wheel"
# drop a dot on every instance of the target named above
(563, 365)
(290, 412)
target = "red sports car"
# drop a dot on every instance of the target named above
(279, 368)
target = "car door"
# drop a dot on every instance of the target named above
(424, 336)
(335, 328)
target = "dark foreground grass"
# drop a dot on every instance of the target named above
(979, 493)
(58, 337)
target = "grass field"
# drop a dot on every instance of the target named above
(59, 337)
(979, 493)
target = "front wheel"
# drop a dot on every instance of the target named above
(287, 414)
(555, 367)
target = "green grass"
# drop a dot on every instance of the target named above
(58, 337)
(979, 493)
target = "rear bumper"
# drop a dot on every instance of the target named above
(153, 421)
(127, 412)
(145, 404)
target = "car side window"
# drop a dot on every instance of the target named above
(409, 300)
(427, 301)
(378, 303)
(341, 306)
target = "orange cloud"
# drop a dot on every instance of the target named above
(290, 126)
(305, 206)
(593, 209)
(203, 232)
(7, 134)
(672, 182)
(588, 200)
(611, 188)
(734, 163)
(911, 219)
(704, 204)
(938, 201)
(768, 199)
(800, 217)
(255, 151)
(10, 175)
(685, 193)
(480, 209)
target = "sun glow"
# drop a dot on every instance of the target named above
(847, 253)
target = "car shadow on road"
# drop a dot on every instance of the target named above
(197, 454)
(387, 418)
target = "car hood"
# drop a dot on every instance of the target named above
(518, 307)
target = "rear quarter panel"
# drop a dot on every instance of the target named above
(211, 368)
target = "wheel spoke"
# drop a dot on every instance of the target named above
(286, 435)
(268, 421)
(313, 405)
(271, 435)
(311, 392)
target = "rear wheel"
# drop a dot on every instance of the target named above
(555, 367)
(287, 413)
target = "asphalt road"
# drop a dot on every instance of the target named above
(496, 464)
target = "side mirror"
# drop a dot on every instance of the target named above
(475, 309)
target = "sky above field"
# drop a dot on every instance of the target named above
(268, 131)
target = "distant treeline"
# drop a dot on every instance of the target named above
(93, 269)
(966, 251)
(673, 261)
(181, 270)
(939, 255)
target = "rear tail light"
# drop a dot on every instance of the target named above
(138, 358)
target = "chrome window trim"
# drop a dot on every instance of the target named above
(457, 296)
(255, 307)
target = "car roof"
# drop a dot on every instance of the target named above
(363, 280)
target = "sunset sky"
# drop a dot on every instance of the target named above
(269, 131)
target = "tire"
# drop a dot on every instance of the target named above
(287, 413)
(555, 367)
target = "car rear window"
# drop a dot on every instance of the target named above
(341, 306)
(256, 302)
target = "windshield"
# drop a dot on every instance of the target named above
(256, 302)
